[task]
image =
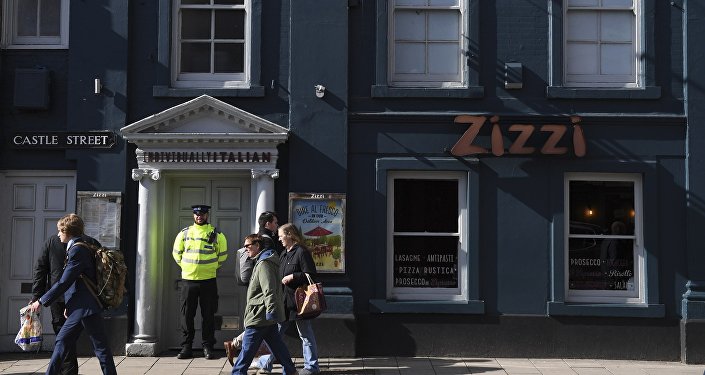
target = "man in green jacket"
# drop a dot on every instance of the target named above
(265, 308)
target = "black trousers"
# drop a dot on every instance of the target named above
(193, 294)
(70, 364)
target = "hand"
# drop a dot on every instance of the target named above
(35, 306)
(287, 279)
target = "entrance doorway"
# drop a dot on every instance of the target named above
(32, 202)
(229, 198)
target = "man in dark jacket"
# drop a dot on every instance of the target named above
(47, 272)
(268, 225)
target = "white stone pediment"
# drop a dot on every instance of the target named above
(205, 133)
(203, 120)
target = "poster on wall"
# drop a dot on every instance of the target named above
(100, 211)
(321, 219)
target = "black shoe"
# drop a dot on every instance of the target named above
(185, 353)
(208, 352)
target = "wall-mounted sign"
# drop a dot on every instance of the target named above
(63, 140)
(206, 157)
(321, 220)
(525, 134)
(100, 211)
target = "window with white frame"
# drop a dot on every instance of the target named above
(211, 43)
(38, 24)
(427, 236)
(601, 43)
(605, 256)
(427, 43)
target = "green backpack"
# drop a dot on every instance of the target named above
(111, 272)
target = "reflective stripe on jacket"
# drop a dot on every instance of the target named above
(199, 259)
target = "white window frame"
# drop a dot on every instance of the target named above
(11, 40)
(431, 294)
(609, 296)
(209, 80)
(426, 80)
(636, 79)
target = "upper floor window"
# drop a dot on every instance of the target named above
(601, 43)
(35, 24)
(604, 254)
(427, 241)
(211, 43)
(427, 43)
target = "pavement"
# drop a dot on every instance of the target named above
(33, 363)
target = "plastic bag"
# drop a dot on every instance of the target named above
(30, 335)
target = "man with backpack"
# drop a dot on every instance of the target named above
(199, 249)
(83, 310)
(47, 272)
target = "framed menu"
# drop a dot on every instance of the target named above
(320, 217)
(100, 211)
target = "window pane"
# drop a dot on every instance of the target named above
(229, 58)
(195, 24)
(443, 58)
(443, 2)
(27, 18)
(411, 2)
(583, 3)
(443, 26)
(195, 57)
(410, 58)
(601, 264)
(426, 262)
(581, 58)
(599, 204)
(581, 26)
(425, 205)
(50, 13)
(617, 26)
(195, 2)
(230, 2)
(230, 24)
(409, 25)
(617, 59)
(617, 4)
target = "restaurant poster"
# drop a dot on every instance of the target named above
(320, 217)
(100, 211)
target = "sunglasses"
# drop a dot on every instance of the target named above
(247, 245)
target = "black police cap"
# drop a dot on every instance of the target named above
(200, 208)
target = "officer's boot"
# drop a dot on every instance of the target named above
(185, 353)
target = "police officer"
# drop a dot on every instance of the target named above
(199, 250)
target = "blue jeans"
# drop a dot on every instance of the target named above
(308, 343)
(251, 341)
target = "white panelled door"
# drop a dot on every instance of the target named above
(32, 202)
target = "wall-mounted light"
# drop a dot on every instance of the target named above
(97, 86)
(320, 91)
(588, 211)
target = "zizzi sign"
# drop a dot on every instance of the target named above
(525, 133)
(63, 140)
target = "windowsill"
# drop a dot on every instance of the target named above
(166, 91)
(384, 91)
(560, 92)
(427, 307)
(605, 309)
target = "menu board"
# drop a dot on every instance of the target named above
(425, 261)
(100, 212)
(601, 264)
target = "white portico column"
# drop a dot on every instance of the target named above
(146, 267)
(264, 190)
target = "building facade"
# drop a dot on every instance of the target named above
(521, 178)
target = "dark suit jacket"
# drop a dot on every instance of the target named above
(50, 265)
(76, 294)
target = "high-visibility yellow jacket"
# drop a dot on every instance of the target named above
(199, 252)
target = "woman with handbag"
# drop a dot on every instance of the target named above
(295, 263)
